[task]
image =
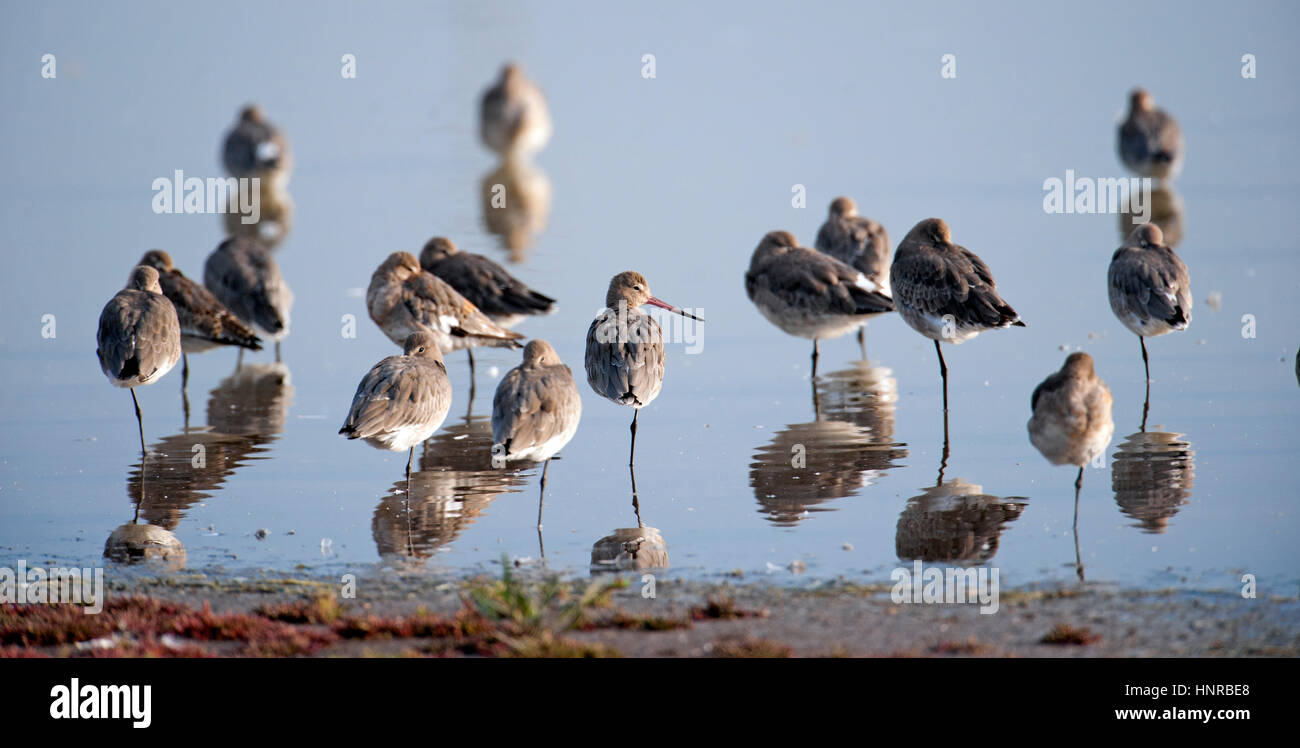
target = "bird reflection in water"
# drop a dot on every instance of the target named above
(453, 483)
(1164, 208)
(630, 548)
(516, 198)
(1152, 473)
(135, 543)
(848, 446)
(246, 412)
(954, 521)
(274, 218)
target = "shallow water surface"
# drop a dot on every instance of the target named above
(678, 177)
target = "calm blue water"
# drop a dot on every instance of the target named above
(678, 177)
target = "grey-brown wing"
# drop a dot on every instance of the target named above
(398, 392)
(115, 338)
(247, 280)
(832, 240)
(808, 280)
(1150, 136)
(252, 147)
(532, 407)
(1151, 285)
(872, 242)
(202, 315)
(138, 335)
(433, 302)
(1046, 387)
(943, 283)
(490, 287)
(498, 108)
(625, 360)
(858, 242)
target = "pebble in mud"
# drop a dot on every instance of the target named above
(261, 533)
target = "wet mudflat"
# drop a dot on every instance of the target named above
(195, 615)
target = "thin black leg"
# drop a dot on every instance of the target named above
(943, 460)
(541, 499)
(185, 393)
(943, 372)
(277, 351)
(814, 358)
(862, 341)
(1078, 559)
(239, 361)
(139, 420)
(631, 457)
(636, 504)
(1146, 366)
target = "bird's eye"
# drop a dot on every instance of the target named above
(421, 349)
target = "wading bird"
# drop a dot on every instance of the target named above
(241, 274)
(945, 291)
(255, 148)
(513, 118)
(858, 241)
(206, 323)
(498, 294)
(402, 400)
(403, 298)
(625, 347)
(535, 412)
(1150, 291)
(809, 294)
(1150, 141)
(139, 337)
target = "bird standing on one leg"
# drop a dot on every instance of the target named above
(945, 291)
(535, 412)
(402, 400)
(139, 337)
(625, 347)
(1071, 423)
(1150, 291)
